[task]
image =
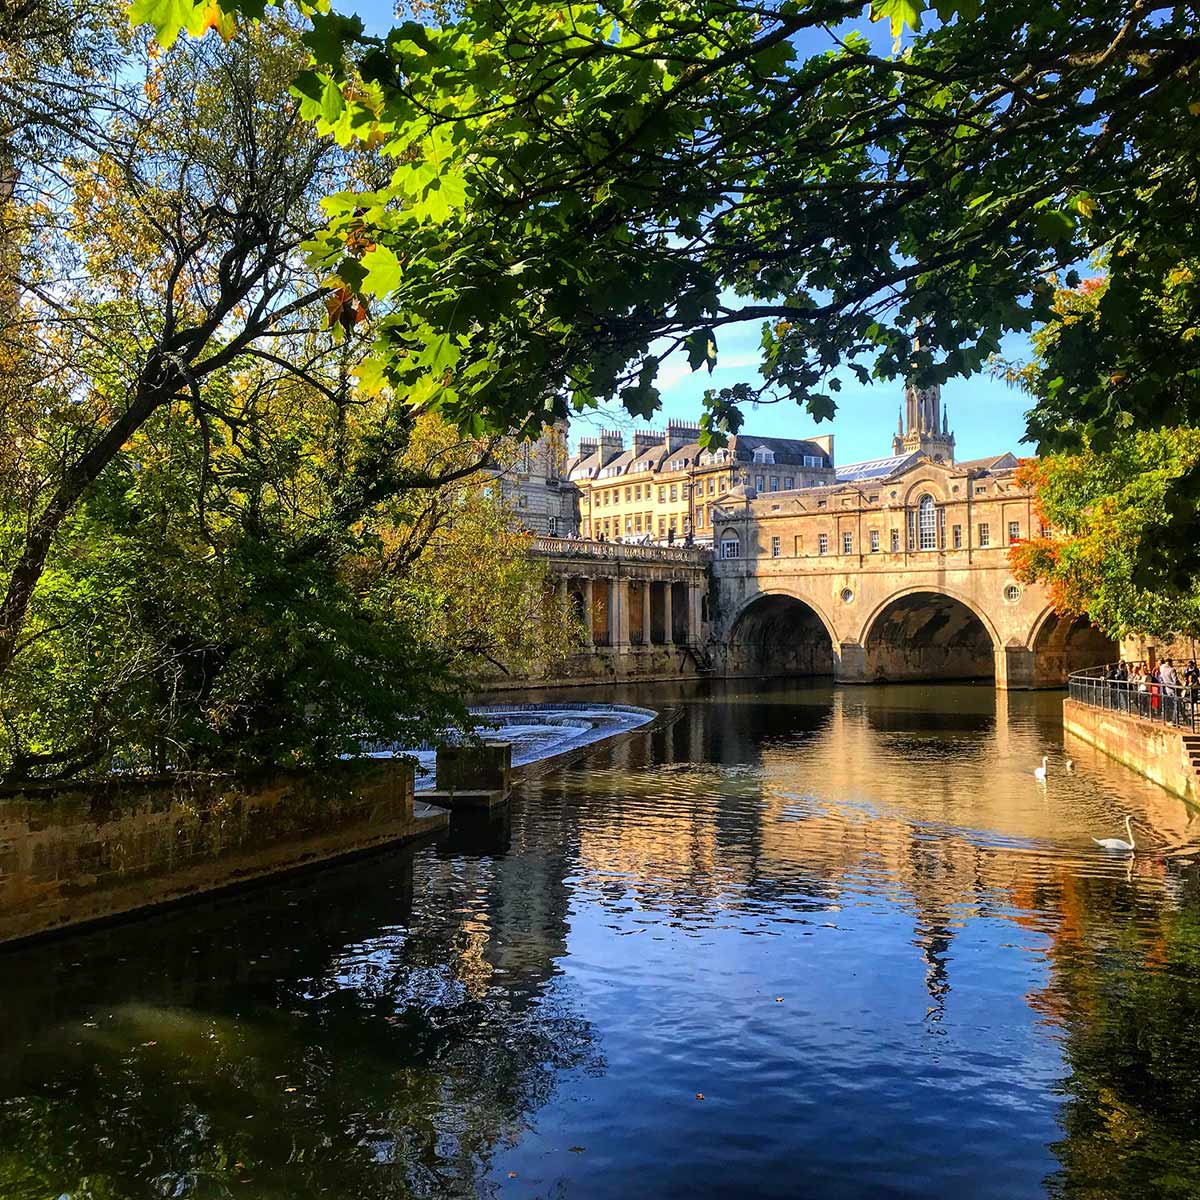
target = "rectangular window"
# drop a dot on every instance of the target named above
(712, 485)
(662, 525)
(822, 543)
(789, 482)
(760, 483)
(629, 493)
(799, 548)
(662, 495)
(985, 535)
(687, 491)
(628, 524)
(1044, 531)
(822, 503)
(980, 490)
(637, 523)
(874, 541)
(1014, 531)
(674, 493)
(774, 483)
(895, 541)
(956, 534)
(724, 483)
(687, 524)
(730, 548)
(637, 491)
(700, 518)
(776, 547)
(847, 543)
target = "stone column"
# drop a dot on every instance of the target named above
(620, 613)
(851, 664)
(646, 585)
(589, 615)
(668, 623)
(1015, 668)
(695, 609)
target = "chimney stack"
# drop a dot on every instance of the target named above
(647, 439)
(680, 433)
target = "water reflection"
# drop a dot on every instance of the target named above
(889, 961)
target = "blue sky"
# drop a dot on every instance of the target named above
(986, 415)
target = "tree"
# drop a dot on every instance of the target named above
(212, 517)
(1108, 510)
(581, 191)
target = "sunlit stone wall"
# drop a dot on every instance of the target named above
(88, 854)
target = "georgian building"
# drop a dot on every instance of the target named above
(869, 511)
(666, 488)
(535, 484)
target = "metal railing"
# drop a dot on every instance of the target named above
(1166, 704)
(555, 547)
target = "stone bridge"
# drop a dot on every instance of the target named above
(947, 614)
(659, 612)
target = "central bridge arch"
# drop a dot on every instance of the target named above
(925, 633)
(777, 633)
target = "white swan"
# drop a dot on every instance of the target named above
(1118, 843)
(1039, 773)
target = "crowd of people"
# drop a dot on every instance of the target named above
(1157, 688)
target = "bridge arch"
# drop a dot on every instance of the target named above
(1061, 645)
(779, 633)
(925, 632)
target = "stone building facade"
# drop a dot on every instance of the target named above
(535, 484)
(898, 569)
(665, 488)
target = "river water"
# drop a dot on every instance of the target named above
(790, 941)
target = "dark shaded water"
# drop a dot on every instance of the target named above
(794, 942)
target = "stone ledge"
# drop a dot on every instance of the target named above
(1156, 751)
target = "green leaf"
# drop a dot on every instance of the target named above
(169, 17)
(440, 353)
(333, 103)
(899, 13)
(383, 271)
(329, 36)
(701, 349)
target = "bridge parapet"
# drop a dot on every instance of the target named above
(584, 548)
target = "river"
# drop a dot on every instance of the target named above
(790, 941)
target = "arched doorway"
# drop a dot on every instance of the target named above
(780, 635)
(928, 635)
(1066, 644)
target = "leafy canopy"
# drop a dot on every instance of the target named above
(580, 190)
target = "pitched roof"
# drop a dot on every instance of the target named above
(874, 468)
(993, 462)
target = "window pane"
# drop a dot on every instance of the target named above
(927, 523)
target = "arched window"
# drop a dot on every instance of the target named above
(927, 523)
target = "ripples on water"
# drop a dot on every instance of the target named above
(790, 942)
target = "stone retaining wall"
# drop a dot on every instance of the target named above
(78, 856)
(1156, 751)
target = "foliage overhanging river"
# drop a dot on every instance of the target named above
(794, 941)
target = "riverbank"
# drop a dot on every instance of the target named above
(1159, 752)
(77, 857)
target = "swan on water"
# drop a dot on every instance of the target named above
(1118, 843)
(1039, 773)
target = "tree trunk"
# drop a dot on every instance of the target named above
(86, 470)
